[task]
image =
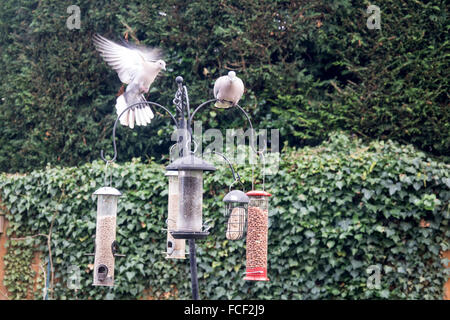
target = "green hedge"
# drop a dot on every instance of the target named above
(310, 67)
(336, 209)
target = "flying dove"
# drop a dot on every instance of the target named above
(137, 66)
(228, 90)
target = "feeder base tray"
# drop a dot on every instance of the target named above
(188, 235)
(256, 274)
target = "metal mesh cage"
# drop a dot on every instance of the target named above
(236, 214)
(236, 205)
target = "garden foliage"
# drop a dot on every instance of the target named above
(337, 209)
(310, 67)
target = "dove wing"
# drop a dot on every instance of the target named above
(127, 62)
(220, 83)
(149, 54)
(239, 90)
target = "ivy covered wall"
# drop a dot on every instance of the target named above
(349, 206)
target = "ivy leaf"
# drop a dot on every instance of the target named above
(446, 181)
(309, 234)
(417, 185)
(130, 275)
(367, 193)
(389, 232)
(220, 292)
(356, 264)
(394, 188)
(384, 294)
(302, 197)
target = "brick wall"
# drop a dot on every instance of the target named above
(3, 291)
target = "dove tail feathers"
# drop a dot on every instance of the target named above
(121, 105)
(127, 119)
(141, 114)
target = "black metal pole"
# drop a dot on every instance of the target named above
(184, 132)
(193, 262)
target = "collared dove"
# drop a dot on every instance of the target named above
(137, 66)
(228, 90)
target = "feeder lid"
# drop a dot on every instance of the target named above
(236, 196)
(108, 191)
(190, 162)
(258, 193)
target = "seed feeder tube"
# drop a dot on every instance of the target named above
(105, 236)
(257, 236)
(175, 248)
(190, 186)
(236, 206)
(191, 191)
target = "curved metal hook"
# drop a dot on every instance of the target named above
(122, 113)
(261, 154)
(106, 174)
(199, 107)
(241, 109)
(235, 173)
(232, 184)
(251, 128)
(188, 107)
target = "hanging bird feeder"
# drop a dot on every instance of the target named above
(190, 185)
(175, 248)
(106, 247)
(257, 235)
(236, 205)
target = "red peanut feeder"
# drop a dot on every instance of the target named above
(257, 234)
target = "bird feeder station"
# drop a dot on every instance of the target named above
(175, 248)
(257, 235)
(105, 236)
(190, 188)
(185, 174)
(236, 205)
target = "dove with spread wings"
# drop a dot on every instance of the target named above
(137, 67)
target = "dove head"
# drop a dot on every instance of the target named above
(161, 64)
(232, 75)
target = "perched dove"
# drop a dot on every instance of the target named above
(228, 90)
(137, 66)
